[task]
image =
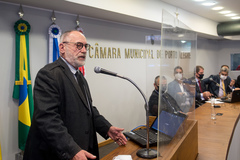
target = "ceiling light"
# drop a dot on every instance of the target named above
(225, 12)
(231, 15)
(183, 41)
(199, 0)
(181, 35)
(235, 17)
(210, 3)
(217, 8)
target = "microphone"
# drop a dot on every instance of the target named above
(104, 71)
(211, 79)
(217, 84)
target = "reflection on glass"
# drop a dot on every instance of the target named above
(177, 63)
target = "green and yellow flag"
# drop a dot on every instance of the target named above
(23, 87)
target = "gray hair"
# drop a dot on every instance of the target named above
(66, 34)
(224, 69)
(156, 78)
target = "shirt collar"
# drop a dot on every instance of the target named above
(196, 79)
(72, 69)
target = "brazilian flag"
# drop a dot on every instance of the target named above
(23, 87)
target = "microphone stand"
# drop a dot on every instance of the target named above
(144, 152)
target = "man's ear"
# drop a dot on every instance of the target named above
(61, 48)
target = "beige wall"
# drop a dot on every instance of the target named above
(118, 100)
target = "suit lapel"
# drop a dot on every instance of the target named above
(197, 88)
(218, 81)
(226, 85)
(86, 88)
(203, 86)
(70, 76)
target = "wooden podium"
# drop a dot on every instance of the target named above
(183, 146)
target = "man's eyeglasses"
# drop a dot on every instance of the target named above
(80, 45)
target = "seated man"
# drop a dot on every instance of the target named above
(201, 94)
(167, 102)
(220, 85)
(179, 89)
(232, 81)
(224, 65)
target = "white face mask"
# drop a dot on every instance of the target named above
(178, 76)
(223, 77)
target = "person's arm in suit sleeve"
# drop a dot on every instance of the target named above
(106, 130)
(46, 102)
(211, 86)
(198, 96)
(231, 83)
(207, 80)
(101, 124)
(103, 127)
(171, 90)
(153, 105)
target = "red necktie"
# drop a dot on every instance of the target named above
(199, 83)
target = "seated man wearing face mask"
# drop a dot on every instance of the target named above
(220, 85)
(167, 102)
(179, 91)
(201, 94)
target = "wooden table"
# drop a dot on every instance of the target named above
(184, 141)
(213, 135)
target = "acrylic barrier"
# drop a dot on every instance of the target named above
(171, 76)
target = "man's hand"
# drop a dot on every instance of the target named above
(116, 134)
(83, 155)
(232, 82)
(206, 95)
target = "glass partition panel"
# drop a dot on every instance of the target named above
(177, 85)
(153, 46)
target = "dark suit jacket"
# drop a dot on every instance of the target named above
(167, 103)
(198, 99)
(213, 88)
(198, 91)
(62, 123)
